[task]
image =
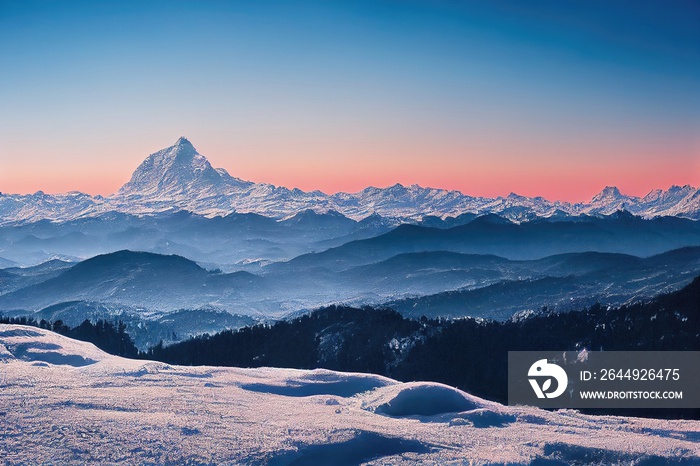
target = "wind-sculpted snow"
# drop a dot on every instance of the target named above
(321, 382)
(124, 411)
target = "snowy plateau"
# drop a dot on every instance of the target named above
(178, 178)
(66, 402)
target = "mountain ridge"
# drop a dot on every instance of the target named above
(166, 283)
(179, 178)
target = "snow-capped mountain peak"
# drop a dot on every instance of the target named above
(607, 194)
(182, 140)
(180, 178)
(177, 170)
(609, 201)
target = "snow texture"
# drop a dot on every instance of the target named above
(66, 402)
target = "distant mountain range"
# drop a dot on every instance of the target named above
(178, 178)
(184, 248)
(432, 283)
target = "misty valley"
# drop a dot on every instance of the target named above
(155, 274)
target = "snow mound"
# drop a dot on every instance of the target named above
(483, 417)
(321, 382)
(363, 447)
(426, 399)
(37, 345)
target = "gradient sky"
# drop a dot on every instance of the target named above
(551, 98)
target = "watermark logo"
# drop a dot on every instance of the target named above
(543, 371)
(604, 379)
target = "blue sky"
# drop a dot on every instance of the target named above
(542, 98)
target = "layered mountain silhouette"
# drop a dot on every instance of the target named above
(431, 283)
(180, 178)
(491, 234)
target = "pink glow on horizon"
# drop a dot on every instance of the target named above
(488, 169)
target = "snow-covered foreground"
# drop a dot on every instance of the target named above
(66, 402)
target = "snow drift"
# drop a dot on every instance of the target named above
(66, 402)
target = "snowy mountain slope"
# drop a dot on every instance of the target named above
(179, 178)
(677, 200)
(18, 208)
(609, 201)
(99, 409)
(179, 170)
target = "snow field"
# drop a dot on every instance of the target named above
(66, 402)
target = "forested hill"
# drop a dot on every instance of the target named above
(467, 353)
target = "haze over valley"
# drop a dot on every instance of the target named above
(182, 239)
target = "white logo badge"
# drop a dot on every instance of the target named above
(548, 371)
